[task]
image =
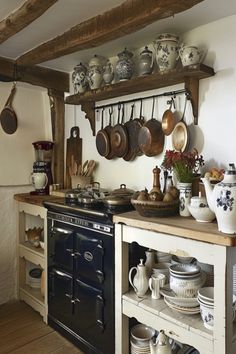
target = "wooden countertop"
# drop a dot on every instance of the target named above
(35, 199)
(181, 226)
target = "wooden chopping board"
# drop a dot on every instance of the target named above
(73, 153)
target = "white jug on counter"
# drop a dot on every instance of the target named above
(39, 180)
(140, 280)
(222, 200)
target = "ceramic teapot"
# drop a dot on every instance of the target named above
(161, 345)
(221, 200)
(140, 281)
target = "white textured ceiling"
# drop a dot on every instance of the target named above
(66, 13)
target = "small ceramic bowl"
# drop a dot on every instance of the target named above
(198, 201)
(201, 214)
(142, 333)
(206, 295)
(207, 314)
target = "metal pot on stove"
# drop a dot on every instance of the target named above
(92, 195)
(119, 197)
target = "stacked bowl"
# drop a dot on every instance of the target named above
(206, 300)
(140, 335)
(186, 279)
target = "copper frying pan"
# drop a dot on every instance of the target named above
(168, 119)
(180, 135)
(102, 140)
(119, 136)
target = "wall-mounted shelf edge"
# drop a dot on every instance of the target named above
(189, 75)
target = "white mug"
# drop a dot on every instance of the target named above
(39, 180)
(155, 283)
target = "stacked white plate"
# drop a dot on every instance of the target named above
(187, 306)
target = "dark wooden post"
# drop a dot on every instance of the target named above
(58, 133)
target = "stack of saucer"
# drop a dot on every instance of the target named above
(140, 337)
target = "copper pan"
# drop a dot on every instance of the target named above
(180, 135)
(151, 137)
(119, 136)
(102, 140)
(168, 119)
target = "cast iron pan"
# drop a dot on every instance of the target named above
(8, 117)
(102, 140)
(119, 137)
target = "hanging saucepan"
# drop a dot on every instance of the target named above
(180, 135)
(151, 137)
(130, 155)
(102, 140)
(108, 129)
(137, 124)
(8, 117)
(168, 119)
(119, 197)
(119, 136)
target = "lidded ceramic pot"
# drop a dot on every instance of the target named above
(125, 65)
(145, 64)
(79, 78)
(166, 46)
(95, 72)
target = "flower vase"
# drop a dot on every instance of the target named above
(185, 194)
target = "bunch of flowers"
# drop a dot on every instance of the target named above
(184, 164)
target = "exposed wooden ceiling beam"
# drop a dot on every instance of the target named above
(35, 75)
(22, 17)
(126, 18)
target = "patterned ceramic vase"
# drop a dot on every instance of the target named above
(108, 73)
(185, 194)
(95, 72)
(125, 65)
(167, 51)
(79, 78)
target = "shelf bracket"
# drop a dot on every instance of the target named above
(88, 107)
(192, 85)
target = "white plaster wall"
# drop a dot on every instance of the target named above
(16, 159)
(31, 105)
(214, 136)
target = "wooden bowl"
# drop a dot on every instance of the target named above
(156, 208)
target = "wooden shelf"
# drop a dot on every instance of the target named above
(32, 254)
(189, 75)
(33, 293)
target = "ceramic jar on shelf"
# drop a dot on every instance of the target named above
(145, 64)
(190, 55)
(125, 65)
(185, 194)
(166, 46)
(95, 72)
(79, 78)
(108, 72)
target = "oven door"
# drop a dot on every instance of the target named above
(61, 246)
(60, 295)
(90, 317)
(89, 259)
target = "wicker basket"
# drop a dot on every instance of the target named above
(154, 208)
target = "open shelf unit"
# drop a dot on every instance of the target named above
(215, 251)
(30, 216)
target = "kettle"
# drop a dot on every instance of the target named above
(140, 280)
(161, 345)
(221, 200)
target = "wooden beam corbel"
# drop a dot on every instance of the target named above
(129, 17)
(22, 17)
(192, 85)
(88, 107)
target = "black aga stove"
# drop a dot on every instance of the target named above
(81, 276)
